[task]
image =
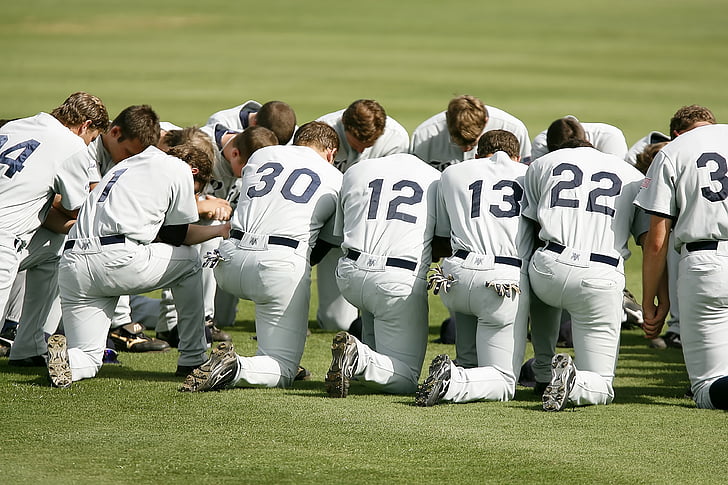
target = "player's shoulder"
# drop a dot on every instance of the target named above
(497, 114)
(599, 127)
(395, 128)
(701, 134)
(432, 125)
(332, 118)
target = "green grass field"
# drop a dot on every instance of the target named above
(628, 63)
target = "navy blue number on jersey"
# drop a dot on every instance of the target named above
(718, 175)
(105, 193)
(294, 187)
(512, 197)
(612, 188)
(15, 165)
(412, 194)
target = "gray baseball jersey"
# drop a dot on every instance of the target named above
(431, 140)
(112, 241)
(479, 210)
(288, 199)
(122, 203)
(480, 206)
(235, 118)
(688, 183)
(574, 194)
(104, 163)
(282, 193)
(582, 198)
(395, 139)
(388, 208)
(334, 312)
(605, 138)
(39, 157)
(639, 146)
(387, 218)
(222, 183)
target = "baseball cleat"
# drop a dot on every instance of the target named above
(344, 359)
(303, 374)
(216, 373)
(59, 370)
(672, 340)
(216, 334)
(658, 343)
(131, 338)
(563, 376)
(633, 314)
(170, 336)
(111, 356)
(433, 389)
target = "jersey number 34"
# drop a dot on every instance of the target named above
(21, 151)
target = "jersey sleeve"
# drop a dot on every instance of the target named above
(614, 143)
(539, 147)
(73, 179)
(640, 223)
(442, 225)
(532, 191)
(656, 195)
(328, 232)
(183, 205)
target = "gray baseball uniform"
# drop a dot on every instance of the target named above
(605, 138)
(431, 140)
(222, 185)
(387, 217)
(39, 157)
(110, 252)
(582, 199)
(639, 146)
(235, 118)
(395, 139)
(104, 162)
(688, 183)
(288, 199)
(334, 311)
(479, 210)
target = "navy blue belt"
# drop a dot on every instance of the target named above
(596, 257)
(103, 240)
(276, 240)
(394, 262)
(462, 254)
(701, 246)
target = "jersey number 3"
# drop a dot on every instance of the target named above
(719, 175)
(15, 165)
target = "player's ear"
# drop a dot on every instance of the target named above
(115, 131)
(331, 154)
(83, 128)
(195, 170)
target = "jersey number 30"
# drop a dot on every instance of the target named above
(269, 179)
(15, 165)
